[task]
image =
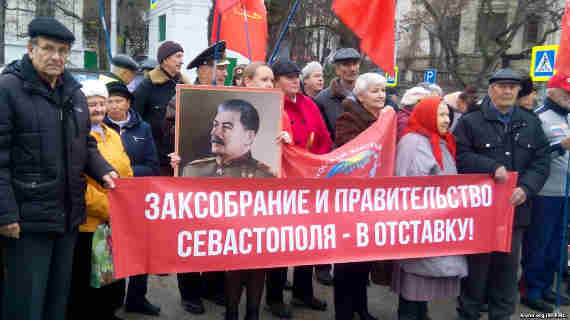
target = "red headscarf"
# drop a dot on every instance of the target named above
(423, 120)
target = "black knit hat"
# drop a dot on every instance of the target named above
(118, 88)
(167, 49)
(51, 28)
(527, 87)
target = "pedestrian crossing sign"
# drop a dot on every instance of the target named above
(153, 3)
(542, 62)
(392, 81)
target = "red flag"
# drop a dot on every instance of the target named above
(223, 5)
(563, 59)
(233, 28)
(373, 21)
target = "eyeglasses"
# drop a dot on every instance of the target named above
(51, 51)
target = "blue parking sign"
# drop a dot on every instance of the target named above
(430, 75)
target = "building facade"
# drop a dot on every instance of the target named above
(19, 13)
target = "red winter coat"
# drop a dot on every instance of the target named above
(306, 120)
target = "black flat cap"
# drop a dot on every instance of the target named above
(50, 28)
(505, 76)
(344, 54)
(124, 61)
(285, 67)
(207, 56)
(119, 88)
(149, 64)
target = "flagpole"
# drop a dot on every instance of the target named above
(105, 31)
(247, 33)
(291, 14)
(215, 67)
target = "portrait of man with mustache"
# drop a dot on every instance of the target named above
(233, 132)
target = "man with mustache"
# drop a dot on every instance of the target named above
(233, 132)
(497, 138)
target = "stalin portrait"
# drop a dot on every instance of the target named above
(233, 133)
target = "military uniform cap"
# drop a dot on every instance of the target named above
(505, 76)
(149, 64)
(206, 56)
(344, 54)
(124, 61)
(50, 28)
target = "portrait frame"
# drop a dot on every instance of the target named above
(196, 107)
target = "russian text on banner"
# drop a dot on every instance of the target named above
(172, 225)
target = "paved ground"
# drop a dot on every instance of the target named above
(382, 304)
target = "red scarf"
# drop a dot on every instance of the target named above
(423, 120)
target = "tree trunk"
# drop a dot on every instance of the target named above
(45, 8)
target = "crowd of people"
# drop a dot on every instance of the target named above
(63, 143)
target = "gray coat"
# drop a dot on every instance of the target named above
(415, 158)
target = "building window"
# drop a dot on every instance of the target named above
(532, 30)
(490, 26)
(162, 27)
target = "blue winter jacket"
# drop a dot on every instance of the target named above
(139, 144)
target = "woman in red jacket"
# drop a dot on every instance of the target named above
(309, 131)
(308, 127)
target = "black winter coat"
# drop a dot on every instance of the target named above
(484, 144)
(45, 148)
(151, 99)
(139, 145)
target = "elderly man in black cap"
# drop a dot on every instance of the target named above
(45, 150)
(124, 69)
(216, 54)
(497, 138)
(152, 95)
(347, 67)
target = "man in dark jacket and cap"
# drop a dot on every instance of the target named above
(123, 68)
(347, 68)
(45, 150)
(498, 138)
(152, 95)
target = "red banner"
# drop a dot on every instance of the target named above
(172, 225)
(235, 30)
(371, 154)
(373, 21)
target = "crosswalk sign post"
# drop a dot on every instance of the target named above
(392, 81)
(542, 62)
